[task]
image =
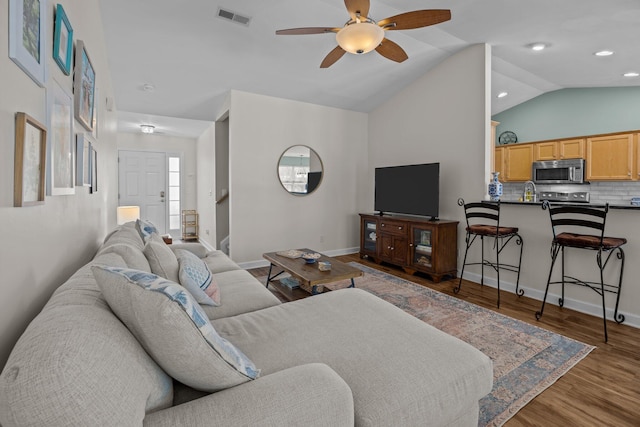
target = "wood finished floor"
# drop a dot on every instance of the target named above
(602, 390)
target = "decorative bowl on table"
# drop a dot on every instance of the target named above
(310, 257)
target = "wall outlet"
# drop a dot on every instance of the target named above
(321, 239)
(206, 232)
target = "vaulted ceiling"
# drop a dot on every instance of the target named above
(177, 59)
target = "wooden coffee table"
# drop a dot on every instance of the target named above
(310, 277)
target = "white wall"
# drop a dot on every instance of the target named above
(441, 117)
(206, 206)
(172, 145)
(264, 217)
(44, 245)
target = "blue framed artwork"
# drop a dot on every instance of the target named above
(84, 87)
(63, 40)
(27, 37)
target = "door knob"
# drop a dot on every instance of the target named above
(162, 194)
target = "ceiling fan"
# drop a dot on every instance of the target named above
(361, 34)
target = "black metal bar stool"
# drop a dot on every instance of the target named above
(566, 222)
(483, 219)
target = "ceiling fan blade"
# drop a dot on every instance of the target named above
(307, 30)
(332, 57)
(357, 7)
(392, 51)
(415, 19)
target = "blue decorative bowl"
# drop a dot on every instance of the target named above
(309, 260)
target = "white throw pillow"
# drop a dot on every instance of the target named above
(162, 260)
(197, 278)
(173, 329)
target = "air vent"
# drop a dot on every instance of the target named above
(233, 16)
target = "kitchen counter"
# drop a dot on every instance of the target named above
(592, 205)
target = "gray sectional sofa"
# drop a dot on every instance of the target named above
(338, 359)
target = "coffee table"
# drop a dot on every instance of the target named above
(310, 277)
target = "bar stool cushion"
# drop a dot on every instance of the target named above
(490, 230)
(588, 241)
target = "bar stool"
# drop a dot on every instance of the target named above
(483, 219)
(566, 221)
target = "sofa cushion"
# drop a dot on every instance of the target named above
(240, 292)
(131, 255)
(401, 370)
(162, 260)
(146, 228)
(196, 277)
(219, 262)
(195, 248)
(171, 326)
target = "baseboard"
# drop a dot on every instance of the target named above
(264, 263)
(537, 294)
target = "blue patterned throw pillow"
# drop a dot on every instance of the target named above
(197, 278)
(145, 228)
(174, 330)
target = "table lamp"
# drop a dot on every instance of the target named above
(127, 213)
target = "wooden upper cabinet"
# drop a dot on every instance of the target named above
(611, 158)
(571, 148)
(517, 162)
(498, 162)
(545, 150)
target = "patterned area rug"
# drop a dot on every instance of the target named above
(526, 359)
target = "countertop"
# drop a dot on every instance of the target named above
(628, 206)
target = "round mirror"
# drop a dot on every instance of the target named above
(300, 170)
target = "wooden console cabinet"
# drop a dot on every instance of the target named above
(414, 244)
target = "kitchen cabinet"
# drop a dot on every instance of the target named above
(498, 162)
(545, 150)
(611, 158)
(556, 150)
(517, 162)
(571, 148)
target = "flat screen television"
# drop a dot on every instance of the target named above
(411, 189)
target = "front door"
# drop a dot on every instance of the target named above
(142, 179)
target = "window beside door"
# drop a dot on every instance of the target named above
(174, 193)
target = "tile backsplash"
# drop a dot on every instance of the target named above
(615, 193)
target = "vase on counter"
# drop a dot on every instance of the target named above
(495, 187)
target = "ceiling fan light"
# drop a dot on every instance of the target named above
(359, 38)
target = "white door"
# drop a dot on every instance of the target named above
(142, 180)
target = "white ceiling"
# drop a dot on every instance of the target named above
(193, 58)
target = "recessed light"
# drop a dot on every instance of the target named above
(631, 74)
(538, 46)
(147, 128)
(604, 53)
(148, 87)
(502, 94)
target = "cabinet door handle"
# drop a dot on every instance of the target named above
(392, 248)
(410, 245)
(399, 228)
(382, 225)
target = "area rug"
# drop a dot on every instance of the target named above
(526, 359)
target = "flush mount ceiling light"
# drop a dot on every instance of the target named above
(361, 34)
(148, 87)
(503, 94)
(631, 74)
(538, 46)
(147, 128)
(604, 53)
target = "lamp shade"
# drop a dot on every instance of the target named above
(360, 37)
(127, 213)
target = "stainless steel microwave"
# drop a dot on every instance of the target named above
(567, 171)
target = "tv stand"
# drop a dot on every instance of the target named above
(429, 245)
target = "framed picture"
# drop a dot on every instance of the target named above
(84, 87)
(94, 168)
(30, 159)
(28, 36)
(83, 160)
(61, 153)
(63, 40)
